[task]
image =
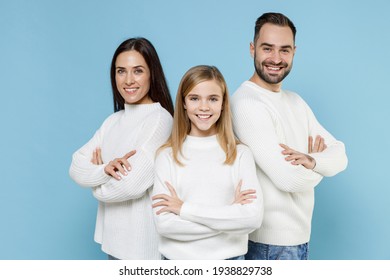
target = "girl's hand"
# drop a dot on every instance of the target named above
(172, 203)
(97, 157)
(119, 165)
(319, 144)
(297, 158)
(243, 197)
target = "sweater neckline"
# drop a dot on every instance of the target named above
(131, 109)
(266, 92)
(196, 141)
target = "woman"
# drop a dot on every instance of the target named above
(118, 162)
(206, 194)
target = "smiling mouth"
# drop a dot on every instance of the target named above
(204, 117)
(131, 90)
(273, 68)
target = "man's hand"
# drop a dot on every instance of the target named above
(297, 158)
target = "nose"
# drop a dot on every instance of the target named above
(129, 79)
(203, 106)
(276, 58)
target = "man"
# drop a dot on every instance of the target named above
(279, 127)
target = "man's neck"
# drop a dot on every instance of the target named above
(261, 83)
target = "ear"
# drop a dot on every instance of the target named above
(184, 105)
(252, 49)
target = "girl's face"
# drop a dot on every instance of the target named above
(132, 76)
(204, 105)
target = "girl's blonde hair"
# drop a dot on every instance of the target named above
(182, 124)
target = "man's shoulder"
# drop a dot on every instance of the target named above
(294, 97)
(244, 89)
(246, 93)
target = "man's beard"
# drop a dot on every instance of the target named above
(270, 78)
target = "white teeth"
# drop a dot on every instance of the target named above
(274, 68)
(204, 116)
(130, 90)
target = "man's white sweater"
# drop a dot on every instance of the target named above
(124, 224)
(262, 120)
(209, 225)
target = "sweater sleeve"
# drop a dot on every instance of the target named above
(333, 159)
(233, 218)
(254, 126)
(171, 225)
(81, 170)
(141, 177)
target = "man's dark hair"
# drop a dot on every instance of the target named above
(273, 18)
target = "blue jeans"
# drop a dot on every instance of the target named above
(260, 251)
(111, 258)
(242, 257)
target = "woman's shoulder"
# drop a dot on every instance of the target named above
(113, 118)
(160, 115)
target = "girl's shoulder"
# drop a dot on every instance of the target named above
(243, 149)
(164, 154)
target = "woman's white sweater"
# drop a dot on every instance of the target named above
(124, 224)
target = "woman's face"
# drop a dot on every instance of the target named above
(203, 105)
(132, 76)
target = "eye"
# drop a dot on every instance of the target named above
(138, 71)
(120, 71)
(193, 98)
(286, 51)
(266, 49)
(214, 99)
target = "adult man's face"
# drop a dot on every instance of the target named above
(273, 54)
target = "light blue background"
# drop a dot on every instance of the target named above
(55, 93)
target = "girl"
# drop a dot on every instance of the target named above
(206, 194)
(118, 162)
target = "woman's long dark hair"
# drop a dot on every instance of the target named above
(158, 90)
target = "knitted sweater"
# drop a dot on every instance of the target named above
(209, 225)
(264, 119)
(124, 225)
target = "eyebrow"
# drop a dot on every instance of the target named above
(282, 47)
(137, 66)
(197, 95)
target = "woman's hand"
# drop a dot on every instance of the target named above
(172, 203)
(319, 144)
(97, 157)
(119, 166)
(243, 197)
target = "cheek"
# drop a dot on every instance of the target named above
(145, 81)
(218, 109)
(118, 82)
